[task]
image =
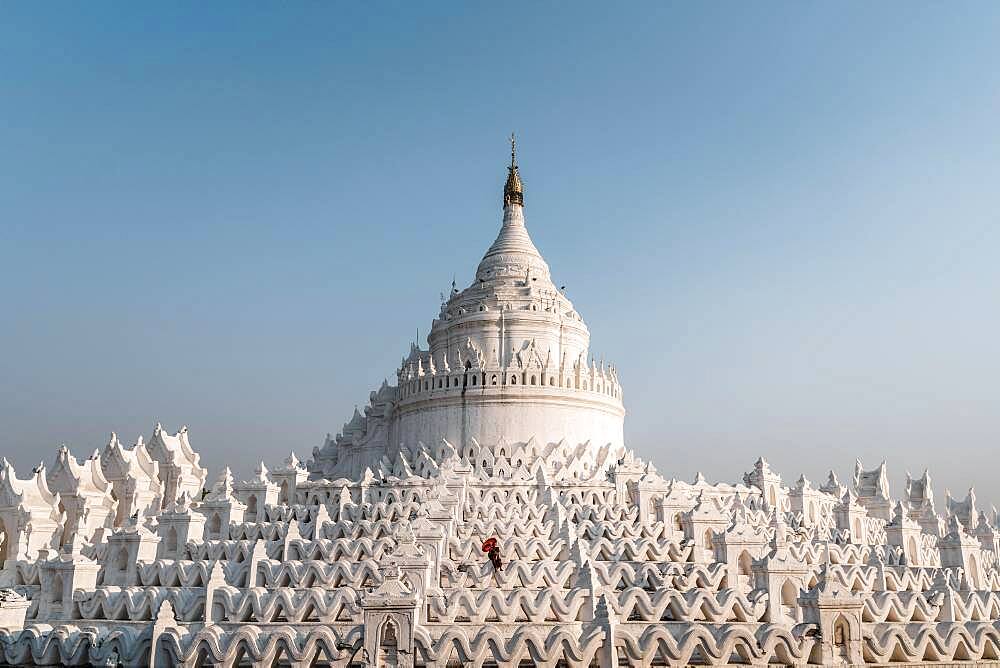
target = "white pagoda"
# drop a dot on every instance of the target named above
(502, 432)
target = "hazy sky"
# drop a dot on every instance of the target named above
(780, 221)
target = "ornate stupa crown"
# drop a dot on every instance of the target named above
(512, 253)
(513, 190)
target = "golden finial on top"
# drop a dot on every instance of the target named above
(513, 191)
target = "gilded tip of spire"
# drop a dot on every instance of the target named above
(513, 191)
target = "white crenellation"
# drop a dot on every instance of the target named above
(86, 500)
(221, 508)
(179, 464)
(135, 479)
(257, 493)
(30, 519)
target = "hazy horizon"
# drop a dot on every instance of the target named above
(779, 221)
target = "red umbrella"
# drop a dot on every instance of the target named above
(489, 544)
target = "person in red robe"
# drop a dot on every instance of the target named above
(492, 549)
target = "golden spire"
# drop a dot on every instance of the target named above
(513, 191)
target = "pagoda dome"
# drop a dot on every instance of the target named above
(513, 254)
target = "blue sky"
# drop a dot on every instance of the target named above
(779, 220)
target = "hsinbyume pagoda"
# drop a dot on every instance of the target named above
(502, 433)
